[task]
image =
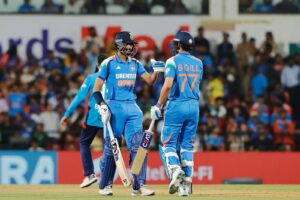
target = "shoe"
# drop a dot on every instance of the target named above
(107, 191)
(88, 180)
(143, 191)
(183, 190)
(177, 178)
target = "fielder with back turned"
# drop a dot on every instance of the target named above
(183, 74)
(92, 124)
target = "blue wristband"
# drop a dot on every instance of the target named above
(98, 97)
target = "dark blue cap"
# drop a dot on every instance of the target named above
(125, 37)
(184, 38)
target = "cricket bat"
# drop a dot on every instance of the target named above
(122, 170)
(142, 150)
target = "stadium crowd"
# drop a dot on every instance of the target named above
(160, 7)
(107, 7)
(269, 6)
(249, 100)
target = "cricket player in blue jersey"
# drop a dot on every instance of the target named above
(119, 73)
(91, 127)
(183, 74)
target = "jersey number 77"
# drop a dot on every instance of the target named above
(186, 77)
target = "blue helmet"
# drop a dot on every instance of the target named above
(124, 38)
(184, 38)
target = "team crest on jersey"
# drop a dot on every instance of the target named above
(132, 68)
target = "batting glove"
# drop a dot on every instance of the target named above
(104, 111)
(158, 66)
(156, 112)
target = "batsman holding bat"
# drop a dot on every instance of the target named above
(181, 89)
(120, 111)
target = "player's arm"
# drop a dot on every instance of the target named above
(149, 78)
(96, 91)
(102, 107)
(78, 99)
(165, 91)
(101, 77)
(156, 111)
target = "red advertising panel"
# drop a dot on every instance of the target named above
(210, 168)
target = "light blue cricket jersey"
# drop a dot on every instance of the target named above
(120, 77)
(92, 118)
(187, 72)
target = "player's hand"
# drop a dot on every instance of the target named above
(64, 121)
(104, 111)
(158, 66)
(156, 112)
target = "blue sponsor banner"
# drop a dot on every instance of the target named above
(26, 167)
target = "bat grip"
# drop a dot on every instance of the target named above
(151, 125)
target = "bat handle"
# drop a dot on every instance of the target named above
(151, 125)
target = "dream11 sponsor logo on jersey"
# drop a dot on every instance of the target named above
(22, 167)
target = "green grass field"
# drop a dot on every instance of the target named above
(211, 192)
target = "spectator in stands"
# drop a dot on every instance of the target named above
(237, 116)
(215, 142)
(202, 46)
(286, 7)
(237, 135)
(71, 62)
(117, 7)
(50, 7)
(50, 120)
(262, 109)
(290, 80)
(26, 7)
(277, 109)
(92, 7)
(163, 3)
(4, 108)
(31, 60)
(215, 88)
(26, 131)
(177, 7)
(266, 6)
(92, 58)
(219, 111)
(283, 132)
(269, 44)
(16, 100)
(202, 49)
(259, 84)
(252, 50)
(52, 62)
(242, 54)
(11, 61)
(139, 7)
(264, 140)
(225, 49)
(72, 7)
(252, 124)
(7, 130)
(93, 38)
(35, 146)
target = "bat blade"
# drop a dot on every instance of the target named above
(125, 178)
(141, 153)
(122, 170)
